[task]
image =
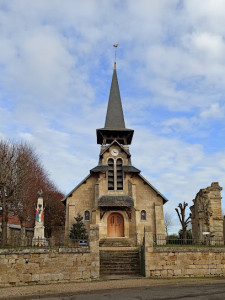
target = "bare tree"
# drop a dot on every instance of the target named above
(167, 221)
(31, 176)
(21, 176)
(25, 192)
(184, 223)
(54, 211)
(7, 182)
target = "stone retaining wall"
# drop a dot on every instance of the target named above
(186, 262)
(182, 261)
(42, 266)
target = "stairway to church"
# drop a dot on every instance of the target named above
(120, 262)
(116, 242)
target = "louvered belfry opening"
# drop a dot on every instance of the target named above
(119, 173)
(110, 174)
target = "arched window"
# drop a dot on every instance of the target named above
(119, 173)
(143, 215)
(110, 174)
(87, 215)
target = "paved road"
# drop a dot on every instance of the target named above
(214, 291)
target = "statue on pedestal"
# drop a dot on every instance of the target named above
(39, 236)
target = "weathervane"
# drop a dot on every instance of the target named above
(115, 46)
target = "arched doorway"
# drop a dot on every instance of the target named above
(115, 225)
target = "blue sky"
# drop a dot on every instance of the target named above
(56, 63)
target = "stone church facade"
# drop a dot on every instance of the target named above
(115, 195)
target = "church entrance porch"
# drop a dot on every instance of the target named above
(115, 225)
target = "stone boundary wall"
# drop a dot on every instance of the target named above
(186, 262)
(44, 266)
(182, 261)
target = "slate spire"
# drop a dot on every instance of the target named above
(114, 117)
(114, 122)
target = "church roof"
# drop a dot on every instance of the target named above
(158, 193)
(116, 200)
(130, 169)
(108, 199)
(76, 187)
(118, 144)
(99, 169)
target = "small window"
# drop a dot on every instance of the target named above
(87, 215)
(143, 215)
(112, 220)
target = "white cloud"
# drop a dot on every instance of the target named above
(55, 70)
(209, 46)
(177, 169)
(214, 111)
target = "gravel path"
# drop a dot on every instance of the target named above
(41, 291)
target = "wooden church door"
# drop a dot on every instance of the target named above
(115, 225)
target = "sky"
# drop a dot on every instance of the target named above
(56, 64)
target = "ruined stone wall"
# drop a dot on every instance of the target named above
(206, 214)
(42, 266)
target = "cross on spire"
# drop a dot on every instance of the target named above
(115, 46)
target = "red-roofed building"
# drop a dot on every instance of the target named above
(14, 227)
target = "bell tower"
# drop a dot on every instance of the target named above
(114, 128)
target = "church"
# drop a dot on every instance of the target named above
(115, 195)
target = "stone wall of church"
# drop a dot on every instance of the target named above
(85, 197)
(82, 199)
(147, 199)
(41, 266)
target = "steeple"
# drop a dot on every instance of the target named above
(114, 117)
(114, 123)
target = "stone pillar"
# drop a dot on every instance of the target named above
(96, 195)
(94, 250)
(224, 228)
(159, 225)
(148, 236)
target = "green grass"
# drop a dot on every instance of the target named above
(190, 246)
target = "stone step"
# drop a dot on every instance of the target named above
(125, 262)
(127, 268)
(112, 251)
(119, 272)
(116, 242)
(119, 261)
(119, 255)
